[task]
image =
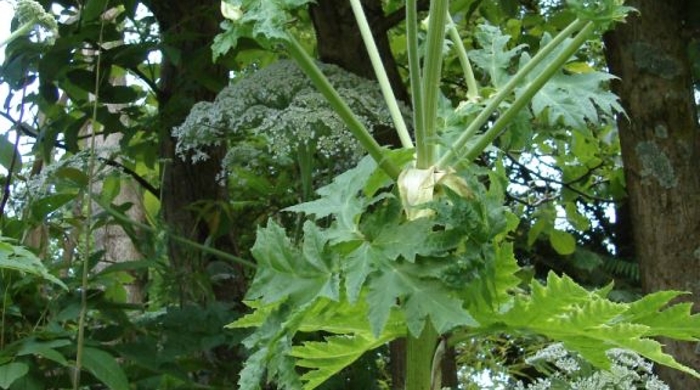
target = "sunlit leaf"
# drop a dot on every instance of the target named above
(562, 242)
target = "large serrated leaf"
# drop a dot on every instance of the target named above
(494, 57)
(589, 324)
(340, 199)
(421, 299)
(285, 271)
(327, 358)
(350, 323)
(264, 21)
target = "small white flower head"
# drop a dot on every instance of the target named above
(30, 11)
(568, 370)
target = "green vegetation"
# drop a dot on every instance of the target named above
(479, 236)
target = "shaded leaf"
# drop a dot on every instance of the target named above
(20, 259)
(340, 198)
(10, 372)
(105, 368)
(8, 155)
(285, 271)
(41, 208)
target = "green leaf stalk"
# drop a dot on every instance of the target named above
(452, 153)
(382, 77)
(306, 63)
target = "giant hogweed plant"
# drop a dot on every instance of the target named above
(412, 242)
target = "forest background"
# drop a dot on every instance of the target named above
(600, 196)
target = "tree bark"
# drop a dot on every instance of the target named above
(660, 149)
(188, 76)
(116, 243)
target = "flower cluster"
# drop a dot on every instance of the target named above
(566, 370)
(276, 110)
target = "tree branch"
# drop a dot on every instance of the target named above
(568, 185)
(139, 179)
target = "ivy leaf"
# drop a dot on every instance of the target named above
(285, 271)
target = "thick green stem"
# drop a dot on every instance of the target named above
(493, 105)
(426, 140)
(522, 100)
(307, 64)
(382, 77)
(419, 359)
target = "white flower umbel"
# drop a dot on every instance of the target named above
(279, 106)
(567, 370)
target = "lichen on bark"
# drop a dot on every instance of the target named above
(656, 164)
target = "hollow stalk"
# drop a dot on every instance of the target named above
(493, 105)
(419, 358)
(491, 134)
(472, 86)
(414, 70)
(382, 77)
(307, 64)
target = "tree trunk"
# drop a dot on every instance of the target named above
(660, 147)
(117, 245)
(188, 76)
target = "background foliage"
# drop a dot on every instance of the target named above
(552, 187)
